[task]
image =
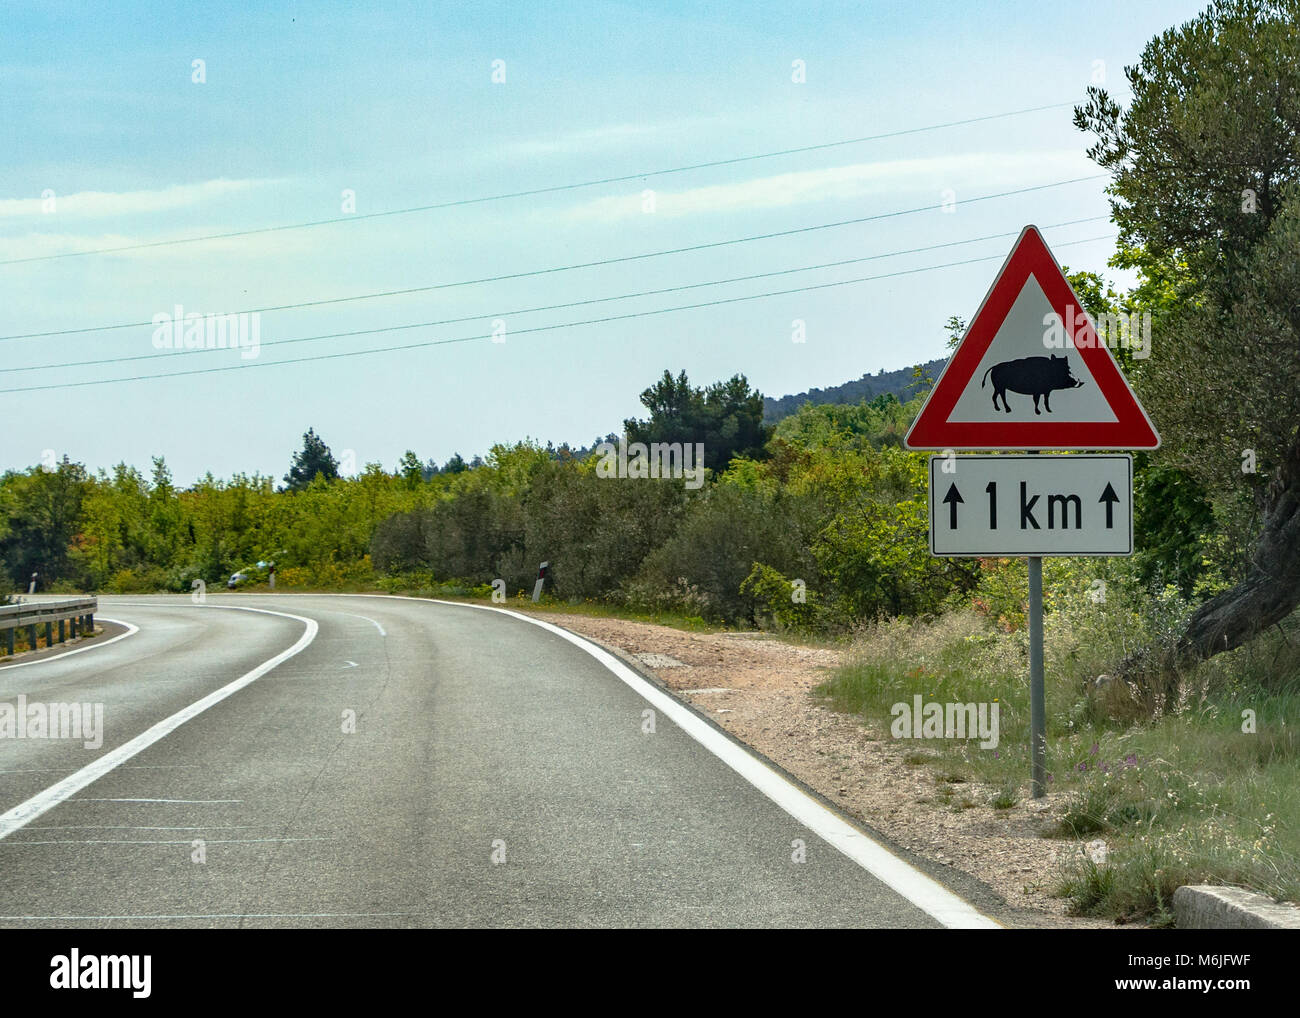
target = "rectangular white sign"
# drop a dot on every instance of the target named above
(1014, 505)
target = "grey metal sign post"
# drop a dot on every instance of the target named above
(1037, 692)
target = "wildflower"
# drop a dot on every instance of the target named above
(1093, 751)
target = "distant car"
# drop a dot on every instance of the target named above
(236, 579)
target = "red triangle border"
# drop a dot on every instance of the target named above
(1132, 428)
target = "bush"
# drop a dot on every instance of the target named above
(875, 546)
(461, 538)
(596, 532)
(140, 580)
(400, 542)
(780, 602)
(714, 550)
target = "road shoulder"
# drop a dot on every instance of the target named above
(758, 690)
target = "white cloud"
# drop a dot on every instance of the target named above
(93, 204)
(967, 174)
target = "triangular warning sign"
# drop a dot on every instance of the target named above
(1024, 379)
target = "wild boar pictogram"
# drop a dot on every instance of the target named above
(1030, 376)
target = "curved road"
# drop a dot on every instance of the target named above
(365, 761)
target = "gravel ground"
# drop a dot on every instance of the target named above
(759, 688)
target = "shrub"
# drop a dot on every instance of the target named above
(596, 532)
(140, 580)
(779, 601)
(715, 548)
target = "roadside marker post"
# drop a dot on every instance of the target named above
(1053, 505)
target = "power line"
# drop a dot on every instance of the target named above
(555, 189)
(549, 307)
(538, 328)
(581, 265)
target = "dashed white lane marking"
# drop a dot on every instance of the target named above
(25, 812)
(130, 631)
(125, 767)
(921, 890)
(368, 619)
(187, 841)
(86, 798)
(142, 827)
(201, 915)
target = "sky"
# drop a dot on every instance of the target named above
(114, 137)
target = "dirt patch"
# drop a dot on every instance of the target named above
(759, 689)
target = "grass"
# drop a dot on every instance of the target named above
(1186, 795)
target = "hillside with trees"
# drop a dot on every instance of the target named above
(902, 384)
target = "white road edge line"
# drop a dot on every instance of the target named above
(25, 812)
(130, 631)
(920, 889)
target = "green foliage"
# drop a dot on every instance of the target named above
(1001, 592)
(881, 422)
(39, 514)
(596, 532)
(711, 553)
(1173, 518)
(727, 417)
(1206, 170)
(314, 460)
(956, 327)
(788, 605)
(832, 502)
(900, 383)
(411, 469)
(874, 547)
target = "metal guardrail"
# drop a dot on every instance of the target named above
(75, 616)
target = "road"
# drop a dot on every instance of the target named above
(496, 773)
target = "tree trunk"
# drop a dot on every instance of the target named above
(1271, 591)
(1267, 595)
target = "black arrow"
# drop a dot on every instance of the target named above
(951, 499)
(1110, 498)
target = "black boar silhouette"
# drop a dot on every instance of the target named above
(1030, 376)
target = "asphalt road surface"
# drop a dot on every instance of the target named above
(351, 761)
